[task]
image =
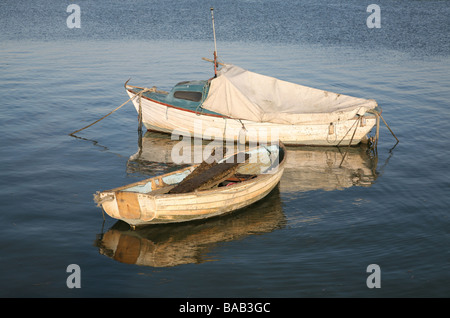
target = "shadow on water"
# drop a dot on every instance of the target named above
(94, 142)
(307, 169)
(189, 243)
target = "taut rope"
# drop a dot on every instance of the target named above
(144, 90)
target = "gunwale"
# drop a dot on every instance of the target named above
(181, 207)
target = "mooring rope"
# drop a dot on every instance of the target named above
(348, 132)
(377, 134)
(378, 116)
(388, 127)
(153, 89)
(351, 139)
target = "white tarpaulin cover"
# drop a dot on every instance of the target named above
(242, 94)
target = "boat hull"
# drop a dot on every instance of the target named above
(137, 209)
(158, 116)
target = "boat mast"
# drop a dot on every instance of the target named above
(215, 45)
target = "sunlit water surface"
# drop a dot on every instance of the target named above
(314, 236)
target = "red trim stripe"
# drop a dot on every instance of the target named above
(175, 107)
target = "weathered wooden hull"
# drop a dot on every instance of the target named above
(166, 118)
(137, 208)
(190, 243)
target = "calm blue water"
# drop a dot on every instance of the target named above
(312, 237)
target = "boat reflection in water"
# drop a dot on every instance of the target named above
(168, 245)
(313, 168)
(307, 169)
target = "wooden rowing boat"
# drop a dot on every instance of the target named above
(166, 245)
(188, 194)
